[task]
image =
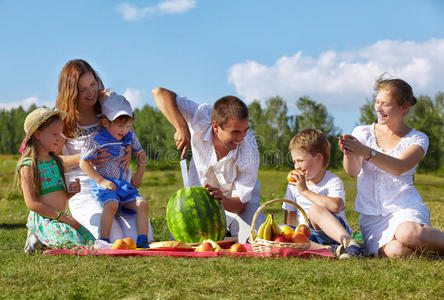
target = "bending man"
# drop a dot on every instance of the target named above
(225, 156)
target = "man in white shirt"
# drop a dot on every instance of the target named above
(225, 155)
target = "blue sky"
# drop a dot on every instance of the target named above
(204, 49)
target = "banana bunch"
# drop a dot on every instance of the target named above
(268, 229)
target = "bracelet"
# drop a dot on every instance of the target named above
(58, 215)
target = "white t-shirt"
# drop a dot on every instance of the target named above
(381, 193)
(330, 185)
(236, 173)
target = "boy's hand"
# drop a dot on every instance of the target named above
(136, 180)
(300, 181)
(106, 184)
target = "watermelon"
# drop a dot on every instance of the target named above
(193, 215)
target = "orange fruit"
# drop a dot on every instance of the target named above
(299, 237)
(119, 244)
(287, 231)
(130, 242)
(289, 179)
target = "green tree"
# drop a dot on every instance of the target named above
(273, 133)
(427, 116)
(155, 135)
(368, 114)
(11, 128)
(314, 115)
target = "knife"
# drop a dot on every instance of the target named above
(183, 169)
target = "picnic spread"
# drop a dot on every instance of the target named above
(172, 252)
(198, 240)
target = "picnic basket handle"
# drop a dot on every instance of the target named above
(260, 208)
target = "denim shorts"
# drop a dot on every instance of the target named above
(320, 237)
(124, 193)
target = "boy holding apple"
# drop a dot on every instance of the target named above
(320, 193)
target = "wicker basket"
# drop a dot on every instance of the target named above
(260, 245)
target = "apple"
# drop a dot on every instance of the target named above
(299, 237)
(289, 178)
(204, 247)
(238, 248)
(304, 229)
(279, 238)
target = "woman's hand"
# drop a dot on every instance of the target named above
(102, 157)
(125, 160)
(136, 180)
(341, 142)
(182, 137)
(350, 145)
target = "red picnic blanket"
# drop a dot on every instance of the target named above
(282, 252)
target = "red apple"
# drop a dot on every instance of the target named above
(279, 238)
(238, 248)
(304, 229)
(204, 247)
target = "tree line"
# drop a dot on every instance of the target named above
(273, 126)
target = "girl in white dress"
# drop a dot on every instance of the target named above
(393, 218)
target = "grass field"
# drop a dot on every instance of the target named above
(78, 277)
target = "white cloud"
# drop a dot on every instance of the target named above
(343, 79)
(26, 103)
(176, 6)
(133, 96)
(131, 12)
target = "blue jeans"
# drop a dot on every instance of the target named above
(320, 237)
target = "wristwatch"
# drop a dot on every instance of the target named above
(372, 154)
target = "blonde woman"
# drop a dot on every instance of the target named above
(393, 218)
(79, 90)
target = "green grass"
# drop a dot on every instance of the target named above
(78, 277)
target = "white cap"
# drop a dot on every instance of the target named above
(115, 106)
